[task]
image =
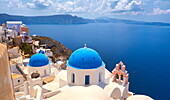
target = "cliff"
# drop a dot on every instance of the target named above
(56, 47)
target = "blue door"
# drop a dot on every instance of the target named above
(87, 79)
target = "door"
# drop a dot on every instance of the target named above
(87, 79)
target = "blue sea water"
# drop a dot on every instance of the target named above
(144, 49)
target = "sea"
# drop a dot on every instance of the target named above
(144, 49)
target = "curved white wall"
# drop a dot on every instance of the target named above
(43, 71)
(81, 73)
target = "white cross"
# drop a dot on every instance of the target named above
(85, 45)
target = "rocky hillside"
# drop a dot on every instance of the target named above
(57, 48)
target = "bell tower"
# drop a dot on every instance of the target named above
(119, 74)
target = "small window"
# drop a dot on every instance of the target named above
(45, 72)
(73, 78)
(18, 80)
(99, 77)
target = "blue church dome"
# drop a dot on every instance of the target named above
(41, 51)
(38, 60)
(85, 58)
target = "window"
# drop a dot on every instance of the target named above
(99, 77)
(18, 81)
(117, 76)
(45, 72)
(73, 78)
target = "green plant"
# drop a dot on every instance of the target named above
(26, 48)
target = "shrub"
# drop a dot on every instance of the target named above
(26, 48)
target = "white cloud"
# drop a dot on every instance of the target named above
(99, 6)
(14, 4)
(127, 6)
(95, 7)
(40, 4)
(31, 5)
(89, 6)
(158, 11)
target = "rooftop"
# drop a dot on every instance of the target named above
(38, 60)
(139, 97)
(14, 22)
(14, 76)
(81, 93)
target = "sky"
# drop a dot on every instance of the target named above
(140, 10)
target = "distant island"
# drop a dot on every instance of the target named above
(53, 19)
(114, 20)
(69, 19)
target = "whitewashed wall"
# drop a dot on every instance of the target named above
(40, 70)
(80, 75)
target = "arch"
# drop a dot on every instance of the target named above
(116, 94)
(73, 78)
(117, 76)
(121, 77)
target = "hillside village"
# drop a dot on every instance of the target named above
(41, 68)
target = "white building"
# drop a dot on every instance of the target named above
(47, 52)
(86, 78)
(17, 25)
(85, 67)
(39, 63)
(14, 52)
(17, 79)
(13, 33)
(4, 28)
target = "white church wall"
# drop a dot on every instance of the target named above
(80, 75)
(43, 71)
